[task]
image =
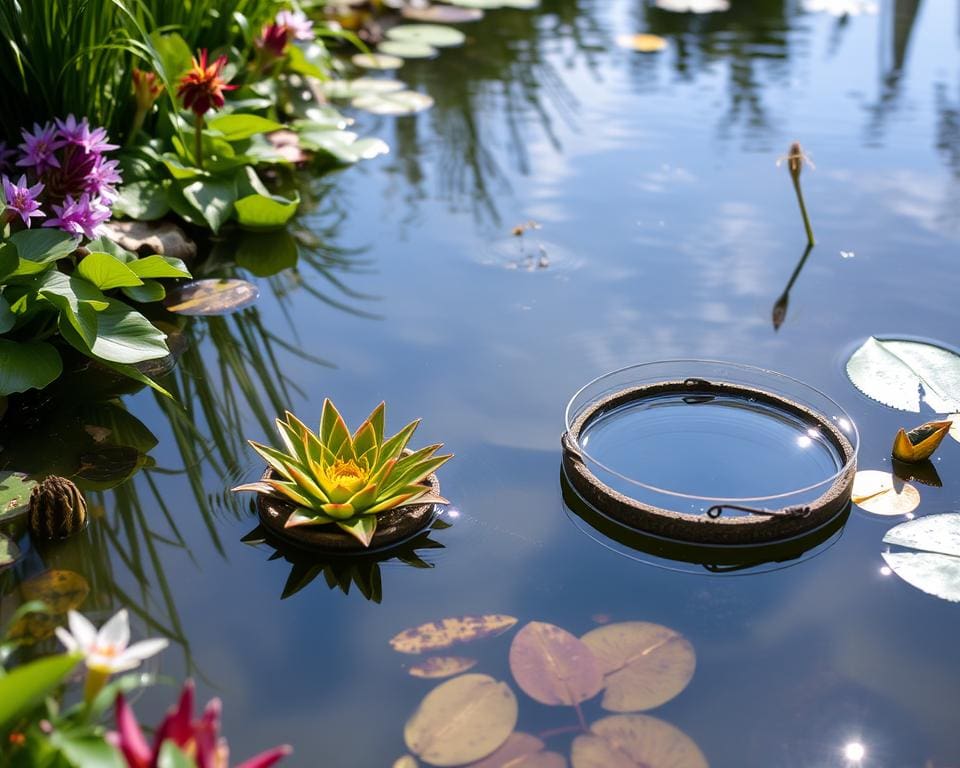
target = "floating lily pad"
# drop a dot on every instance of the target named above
(61, 590)
(882, 493)
(841, 8)
(513, 753)
(935, 572)
(437, 635)
(442, 14)
(939, 534)
(399, 103)
(900, 373)
(643, 43)
(376, 61)
(955, 429)
(442, 666)
(644, 665)
(211, 297)
(361, 86)
(407, 50)
(693, 6)
(553, 666)
(462, 720)
(436, 35)
(15, 488)
(636, 741)
(9, 552)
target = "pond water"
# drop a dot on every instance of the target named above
(666, 230)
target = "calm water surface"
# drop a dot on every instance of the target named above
(666, 231)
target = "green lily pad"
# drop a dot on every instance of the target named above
(15, 488)
(9, 552)
(442, 14)
(436, 35)
(399, 103)
(693, 6)
(900, 373)
(211, 297)
(407, 50)
(376, 61)
(361, 86)
(934, 565)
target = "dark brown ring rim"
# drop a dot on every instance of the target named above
(394, 526)
(700, 529)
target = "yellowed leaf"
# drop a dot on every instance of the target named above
(407, 761)
(636, 741)
(644, 43)
(442, 666)
(644, 665)
(516, 748)
(881, 493)
(437, 635)
(554, 667)
(62, 591)
(919, 444)
(462, 720)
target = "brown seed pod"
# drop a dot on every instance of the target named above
(57, 509)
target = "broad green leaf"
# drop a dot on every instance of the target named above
(134, 373)
(43, 245)
(644, 665)
(147, 293)
(126, 336)
(267, 253)
(213, 199)
(27, 685)
(236, 126)
(15, 489)
(85, 750)
(635, 741)
(553, 666)
(896, 371)
(437, 35)
(9, 551)
(462, 720)
(298, 62)
(107, 272)
(27, 365)
(158, 266)
(143, 200)
(437, 635)
(7, 318)
(8, 259)
(174, 55)
(171, 757)
(259, 212)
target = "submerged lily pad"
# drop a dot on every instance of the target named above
(436, 35)
(643, 43)
(644, 665)
(399, 103)
(900, 373)
(693, 6)
(15, 488)
(553, 666)
(9, 552)
(436, 635)
(636, 741)
(882, 493)
(462, 720)
(442, 14)
(407, 50)
(376, 61)
(211, 297)
(516, 752)
(442, 666)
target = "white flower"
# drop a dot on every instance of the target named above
(297, 23)
(107, 650)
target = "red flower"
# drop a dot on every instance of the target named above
(273, 40)
(202, 87)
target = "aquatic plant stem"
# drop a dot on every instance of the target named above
(582, 719)
(198, 144)
(803, 209)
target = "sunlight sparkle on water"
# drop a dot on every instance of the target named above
(854, 752)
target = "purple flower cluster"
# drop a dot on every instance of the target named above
(65, 177)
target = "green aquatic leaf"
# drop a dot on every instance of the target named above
(107, 272)
(15, 488)
(9, 551)
(7, 318)
(350, 89)
(260, 212)
(158, 266)
(901, 373)
(436, 35)
(43, 245)
(27, 365)
(237, 126)
(376, 61)
(267, 253)
(213, 199)
(396, 103)
(27, 685)
(407, 50)
(143, 200)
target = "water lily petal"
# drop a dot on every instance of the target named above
(339, 511)
(116, 632)
(145, 648)
(130, 739)
(83, 631)
(176, 725)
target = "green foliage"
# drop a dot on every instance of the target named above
(26, 686)
(335, 477)
(39, 303)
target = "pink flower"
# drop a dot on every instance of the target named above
(79, 134)
(296, 23)
(22, 198)
(38, 148)
(101, 179)
(199, 739)
(80, 217)
(273, 40)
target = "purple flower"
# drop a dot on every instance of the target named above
(296, 23)
(102, 177)
(80, 217)
(79, 134)
(22, 198)
(38, 148)
(5, 155)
